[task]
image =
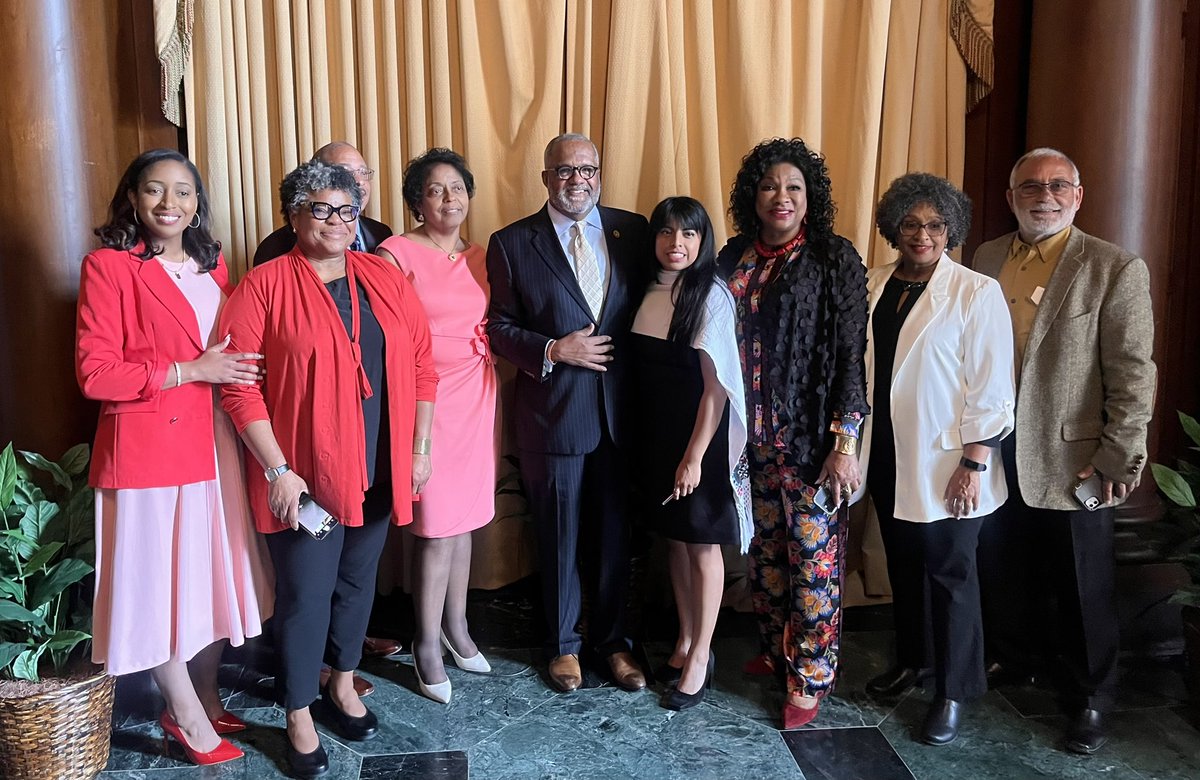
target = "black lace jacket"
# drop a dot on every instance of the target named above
(814, 373)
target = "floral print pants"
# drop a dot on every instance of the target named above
(795, 574)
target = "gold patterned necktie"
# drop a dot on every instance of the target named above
(587, 270)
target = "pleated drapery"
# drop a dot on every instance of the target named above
(674, 92)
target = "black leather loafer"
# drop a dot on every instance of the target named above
(307, 765)
(357, 729)
(941, 722)
(1086, 734)
(895, 681)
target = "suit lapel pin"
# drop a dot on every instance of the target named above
(616, 234)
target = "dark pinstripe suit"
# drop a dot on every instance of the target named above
(569, 422)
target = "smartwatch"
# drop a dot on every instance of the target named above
(973, 465)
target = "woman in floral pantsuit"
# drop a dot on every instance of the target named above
(802, 314)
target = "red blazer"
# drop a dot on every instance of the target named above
(312, 394)
(132, 322)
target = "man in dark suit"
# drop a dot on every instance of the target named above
(371, 233)
(1084, 332)
(565, 283)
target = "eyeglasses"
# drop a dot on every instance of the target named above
(363, 173)
(910, 227)
(565, 172)
(1057, 188)
(323, 211)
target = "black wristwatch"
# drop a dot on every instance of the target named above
(973, 465)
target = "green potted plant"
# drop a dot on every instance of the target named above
(55, 708)
(1181, 488)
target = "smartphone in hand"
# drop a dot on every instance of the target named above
(1090, 492)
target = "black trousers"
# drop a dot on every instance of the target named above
(1048, 591)
(935, 586)
(578, 504)
(324, 590)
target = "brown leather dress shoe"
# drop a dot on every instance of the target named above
(378, 647)
(565, 673)
(362, 686)
(625, 671)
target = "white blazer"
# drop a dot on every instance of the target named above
(952, 382)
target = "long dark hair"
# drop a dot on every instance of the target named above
(692, 286)
(122, 231)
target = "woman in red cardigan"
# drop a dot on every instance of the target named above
(344, 416)
(179, 569)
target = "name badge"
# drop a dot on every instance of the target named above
(1036, 297)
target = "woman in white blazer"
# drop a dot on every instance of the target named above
(939, 367)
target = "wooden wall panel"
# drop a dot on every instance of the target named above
(80, 94)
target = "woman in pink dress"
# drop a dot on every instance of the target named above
(449, 276)
(179, 569)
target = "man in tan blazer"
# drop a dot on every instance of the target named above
(1083, 331)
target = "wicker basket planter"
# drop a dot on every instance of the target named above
(58, 735)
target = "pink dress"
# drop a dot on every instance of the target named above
(460, 495)
(181, 567)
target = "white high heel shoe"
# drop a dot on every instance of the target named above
(439, 692)
(476, 663)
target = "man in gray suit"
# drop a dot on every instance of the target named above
(1084, 332)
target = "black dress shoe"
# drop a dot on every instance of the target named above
(1086, 734)
(895, 681)
(358, 729)
(677, 700)
(941, 722)
(307, 765)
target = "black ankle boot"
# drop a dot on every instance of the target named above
(941, 722)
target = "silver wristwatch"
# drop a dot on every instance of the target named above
(277, 472)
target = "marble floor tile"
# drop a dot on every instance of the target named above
(611, 734)
(994, 743)
(845, 754)
(449, 765)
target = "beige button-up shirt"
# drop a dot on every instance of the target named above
(1023, 278)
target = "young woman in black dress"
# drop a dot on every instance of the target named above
(692, 431)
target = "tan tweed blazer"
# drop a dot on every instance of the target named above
(1085, 389)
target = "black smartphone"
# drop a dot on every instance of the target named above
(313, 518)
(1090, 492)
(824, 500)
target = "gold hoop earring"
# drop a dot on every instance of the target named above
(196, 219)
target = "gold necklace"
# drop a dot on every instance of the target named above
(176, 270)
(449, 252)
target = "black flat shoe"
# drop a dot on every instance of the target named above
(358, 729)
(667, 674)
(895, 681)
(941, 723)
(1086, 734)
(307, 765)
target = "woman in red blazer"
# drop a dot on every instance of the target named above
(344, 417)
(179, 570)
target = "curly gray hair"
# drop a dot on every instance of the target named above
(298, 186)
(913, 188)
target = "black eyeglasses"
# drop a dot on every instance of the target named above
(565, 172)
(910, 227)
(323, 211)
(1057, 188)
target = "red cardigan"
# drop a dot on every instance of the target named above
(313, 391)
(132, 322)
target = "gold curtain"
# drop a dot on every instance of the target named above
(674, 93)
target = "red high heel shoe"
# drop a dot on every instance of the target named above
(228, 723)
(760, 666)
(794, 717)
(226, 751)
